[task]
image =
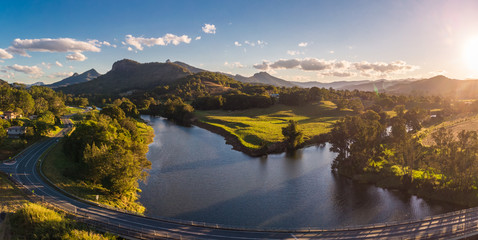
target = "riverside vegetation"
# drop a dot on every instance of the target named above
(394, 157)
(105, 156)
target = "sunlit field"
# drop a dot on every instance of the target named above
(258, 126)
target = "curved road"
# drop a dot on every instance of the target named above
(454, 225)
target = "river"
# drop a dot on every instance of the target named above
(196, 176)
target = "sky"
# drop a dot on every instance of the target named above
(297, 40)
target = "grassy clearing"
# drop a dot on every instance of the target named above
(34, 221)
(73, 110)
(258, 126)
(468, 123)
(56, 164)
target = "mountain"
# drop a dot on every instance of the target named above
(263, 78)
(189, 67)
(438, 85)
(37, 84)
(128, 75)
(76, 78)
(335, 85)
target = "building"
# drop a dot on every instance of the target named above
(16, 131)
(11, 115)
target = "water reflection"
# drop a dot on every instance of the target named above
(196, 176)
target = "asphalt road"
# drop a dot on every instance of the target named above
(446, 226)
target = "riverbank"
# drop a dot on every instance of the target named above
(271, 148)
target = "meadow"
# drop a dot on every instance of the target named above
(260, 126)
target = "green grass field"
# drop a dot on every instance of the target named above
(73, 110)
(56, 163)
(258, 126)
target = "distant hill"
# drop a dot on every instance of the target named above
(263, 78)
(259, 78)
(76, 78)
(335, 85)
(37, 84)
(438, 85)
(127, 75)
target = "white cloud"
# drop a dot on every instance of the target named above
(47, 65)
(340, 68)
(384, 68)
(76, 57)
(258, 43)
(209, 28)
(8, 75)
(339, 73)
(5, 55)
(331, 51)
(293, 53)
(167, 39)
(59, 64)
(60, 75)
(234, 64)
(130, 49)
(198, 38)
(21, 46)
(34, 71)
(262, 66)
(303, 44)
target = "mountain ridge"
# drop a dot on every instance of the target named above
(76, 78)
(127, 75)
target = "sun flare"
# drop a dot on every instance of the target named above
(471, 54)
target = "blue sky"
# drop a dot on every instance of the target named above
(295, 40)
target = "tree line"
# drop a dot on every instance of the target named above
(373, 143)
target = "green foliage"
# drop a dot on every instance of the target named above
(113, 112)
(129, 108)
(34, 221)
(357, 141)
(293, 136)
(174, 109)
(110, 152)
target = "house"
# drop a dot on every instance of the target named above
(16, 131)
(11, 115)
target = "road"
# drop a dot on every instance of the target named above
(454, 225)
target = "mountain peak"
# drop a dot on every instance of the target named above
(124, 65)
(92, 71)
(262, 74)
(76, 78)
(439, 77)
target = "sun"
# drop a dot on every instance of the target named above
(470, 54)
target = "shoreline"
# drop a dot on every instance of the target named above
(273, 148)
(378, 180)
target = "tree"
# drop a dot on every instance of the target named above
(114, 112)
(293, 136)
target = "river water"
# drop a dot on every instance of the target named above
(196, 176)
